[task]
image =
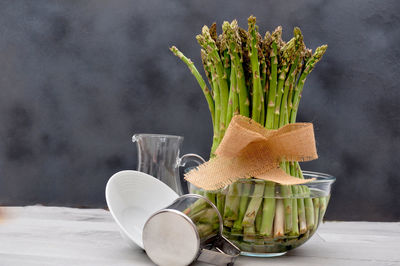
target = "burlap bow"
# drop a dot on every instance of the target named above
(248, 150)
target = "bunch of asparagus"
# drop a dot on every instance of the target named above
(261, 78)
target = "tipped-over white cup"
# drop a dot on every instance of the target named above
(132, 197)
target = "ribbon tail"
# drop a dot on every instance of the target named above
(279, 176)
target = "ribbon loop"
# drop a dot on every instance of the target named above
(249, 150)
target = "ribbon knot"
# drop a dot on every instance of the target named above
(249, 150)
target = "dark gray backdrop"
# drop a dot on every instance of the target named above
(78, 78)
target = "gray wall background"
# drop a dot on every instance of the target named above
(78, 78)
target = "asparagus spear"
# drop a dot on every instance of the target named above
(232, 202)
(323, 201)
(198, 77)
(268, 209)
(286, 51)
(216, 92)
(229, 112)
(209, 45)
(233, 106)
(269, 122)
(299, 46)
(221, 203)
(252, 44)
(302, 215)
(295, 169)
(249, 233)
(309, 66)
(263, 71)
(308, 202)
(295, 217)
(279, 230)
(287, 202)
(266, 49)
(214, 87)
(230, 31)
(196, 207)
(211, 197)
(309, 207)
(227, 64)
(213, 33)
(204, 230)
(258, 219)
(235, 90)
(254, 204)
(244, 36)
(316, 212)
(244, 199)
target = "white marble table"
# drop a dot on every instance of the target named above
(38, 235)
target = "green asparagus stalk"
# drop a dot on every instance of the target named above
(208, 44)
(227, 64)
(233, 106)
(255, 69)
(268, 209)
(309, 66)
(259, 219)
(204, 230)
(316, 212)
(214, 35)
(221, 203)
(287, 202)
(276, 35)
(209, 217)
(302, 215)
(196, 216)
(323, 201)
(229, 112)
(309, 208)
(281, 80)
(232, 201)
(234, 46)
(217, 133)
(244, 199)
(297, 54)
(211, 197)
(308, 202)
(196, 207)
(214, 86)
(295, 216)
(279, 222)
(235, 98)
(244, 37)
(254, 204)
(198, 77)
(249, 233)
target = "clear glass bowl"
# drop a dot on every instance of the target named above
(266, 219)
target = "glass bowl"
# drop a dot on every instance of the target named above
(265, 219)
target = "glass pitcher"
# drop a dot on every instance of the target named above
(158, 155)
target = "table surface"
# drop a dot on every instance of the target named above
(37, 235)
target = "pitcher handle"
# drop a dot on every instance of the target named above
(190, 157)
(182, 161)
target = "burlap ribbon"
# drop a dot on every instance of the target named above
(248, 150)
